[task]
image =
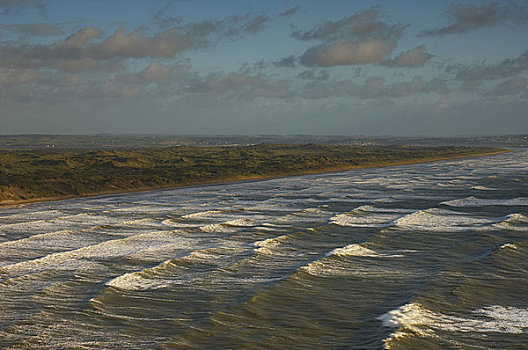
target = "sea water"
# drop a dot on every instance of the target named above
(427, 256)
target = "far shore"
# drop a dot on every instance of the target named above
(238, 179)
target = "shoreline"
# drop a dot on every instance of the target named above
(15, 203)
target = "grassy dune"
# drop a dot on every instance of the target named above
(58, 174)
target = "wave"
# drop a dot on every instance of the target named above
(228, 226)
(302, 216)
(509, 246)
(52, 236)
(359, 250)
(416, 319)
(147, 246)
(478, 202)
(202, 214)
(333, 264)
(267, 246)
(138, 281)
(434, 220)
(331, 269)
(484, 188)
(26, 215)
(55, 224)
(140, 222)
(141, 209)
(513, 222)
(516, 218)
(177, 224)
(177, 271)
(368, 216)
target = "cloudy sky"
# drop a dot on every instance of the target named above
(420, 67)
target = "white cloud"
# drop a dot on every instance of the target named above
(153, 72)
(348, 53)
(416, 57)
(165, 44)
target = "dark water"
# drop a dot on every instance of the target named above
(429, 256)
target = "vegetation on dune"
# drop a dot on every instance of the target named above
(41, 174)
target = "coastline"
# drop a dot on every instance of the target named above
(15, 203)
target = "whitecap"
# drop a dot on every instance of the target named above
(228, 226)
(169, 272)
(330, 267)
(268, 246)
(484, 188)
(201, 214)
(416, 319)
(136, 282)
(440, 220)
(513, 222)
(147, 246)
(359, 250)
(354, 250)
(368, 216)
(478, 202)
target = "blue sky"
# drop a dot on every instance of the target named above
(413, 68)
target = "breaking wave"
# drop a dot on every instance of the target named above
(478, 202)
(415, 319)
(441, 220)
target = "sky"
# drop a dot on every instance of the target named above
(371, 68)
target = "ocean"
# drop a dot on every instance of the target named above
(427, 256)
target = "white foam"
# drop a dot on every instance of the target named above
(177, 224)
(202, 214)
(270, 242)
(54, 237)
(228, 226)
(368, 216)
(478, 202)
(328, 267)
(484, 188)
(23, 212)
(440, 220)
(269, 246)
(170, 273)
(147, 245)
(302, 216)
(243, 222)
(140, 222)
(138, 281)
(319, 268)
(79, 221)
(217, 228)
(513, 222)
(354, 250)
(359, 250)
(374, 180)
(517, 218)
(142, 209)
(415, 318)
